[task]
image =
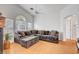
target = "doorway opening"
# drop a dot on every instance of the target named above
(70, 27)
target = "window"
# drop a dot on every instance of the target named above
(20, 23)
(9, 28)
(29, 26)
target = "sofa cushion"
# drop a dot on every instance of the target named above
(41, 32)
(52, 33)
(28, 33)
(34, 31)
(21, 33)
(46, 32)
(55, 34)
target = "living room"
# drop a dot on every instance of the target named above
(40, 28)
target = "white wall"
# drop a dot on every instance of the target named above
(12, 11)
(48, 21)
(70, 10)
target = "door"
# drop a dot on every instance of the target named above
(70, 30)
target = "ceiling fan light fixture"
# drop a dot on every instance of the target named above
(36, 12)
(31, 8)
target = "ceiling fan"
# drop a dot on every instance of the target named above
(35, 11)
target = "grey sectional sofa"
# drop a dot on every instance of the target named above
(50, 36)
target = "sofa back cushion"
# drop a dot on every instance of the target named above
(41, 32)
(28, 33)
(34, 31)
(46, 32)
(21, 33)
(54, 33)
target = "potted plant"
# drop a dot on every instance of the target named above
(6, 41)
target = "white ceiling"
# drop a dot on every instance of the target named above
(43, 8)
